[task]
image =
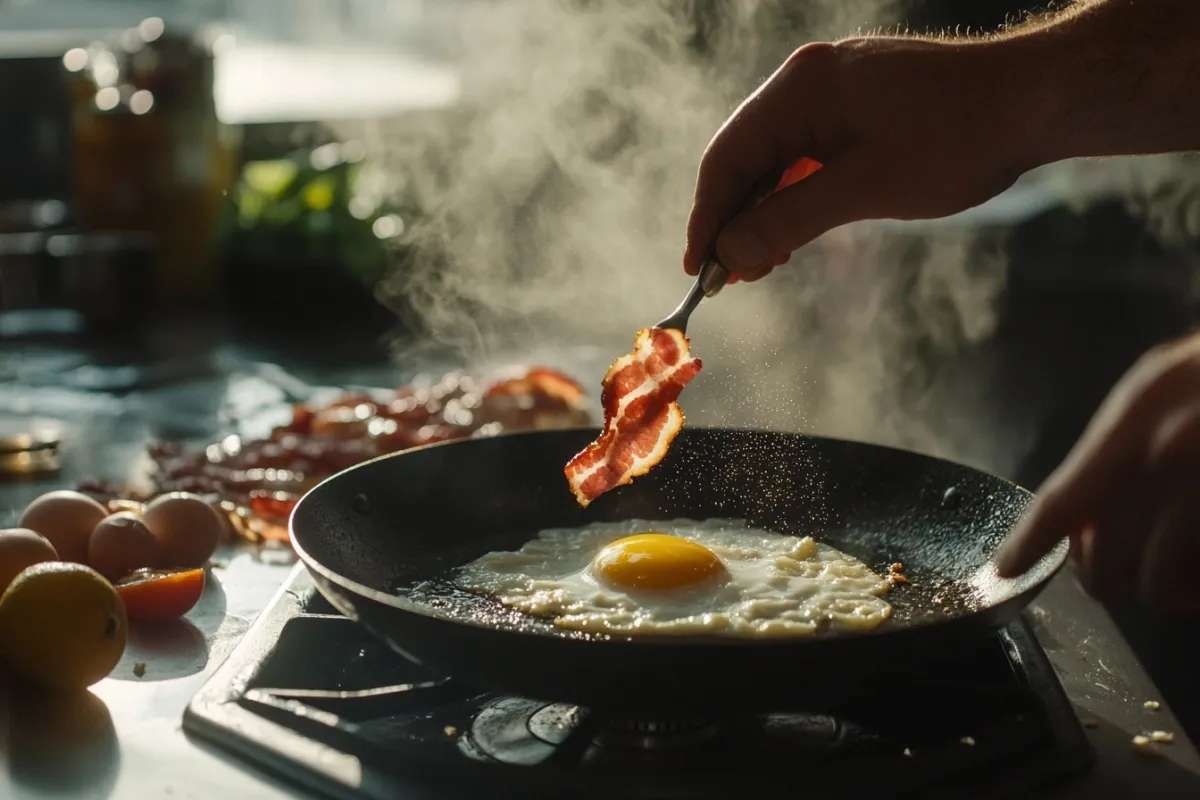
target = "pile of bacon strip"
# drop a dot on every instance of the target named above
(641, 415)
(256, 483)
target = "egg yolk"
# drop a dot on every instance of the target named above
(655, 561)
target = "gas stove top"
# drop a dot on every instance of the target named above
(313, 697)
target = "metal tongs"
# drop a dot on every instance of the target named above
(711, 279)
(712, 276)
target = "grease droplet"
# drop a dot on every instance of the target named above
(952, 498)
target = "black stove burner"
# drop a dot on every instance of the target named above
(654, 732)
(312, 696)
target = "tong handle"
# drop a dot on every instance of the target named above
(713, 276)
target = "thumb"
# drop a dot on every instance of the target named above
(756, 239)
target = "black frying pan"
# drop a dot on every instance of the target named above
(372, 533)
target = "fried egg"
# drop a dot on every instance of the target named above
(712, 578)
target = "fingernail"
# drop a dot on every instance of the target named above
(740, 249)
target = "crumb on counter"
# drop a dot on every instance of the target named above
(139, 669)
(450, 731)
(1151, 705)
(969, 741)
(1149, 742)
(907, 753)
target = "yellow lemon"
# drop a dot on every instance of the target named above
(62, 625)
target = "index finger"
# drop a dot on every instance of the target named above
(758, 138)
(741, 151)
(1106, 460)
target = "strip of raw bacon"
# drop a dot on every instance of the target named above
(641, 417)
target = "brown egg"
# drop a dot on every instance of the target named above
(67, 519)
(21, 548)
(120, 544)
(187, 529)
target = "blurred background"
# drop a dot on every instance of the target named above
(473, 180)
(373, 187)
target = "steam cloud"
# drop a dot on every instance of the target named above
(1163, 190)
(557, 198)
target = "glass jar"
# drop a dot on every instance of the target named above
(150, 153)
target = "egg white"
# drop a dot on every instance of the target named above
(775, 586)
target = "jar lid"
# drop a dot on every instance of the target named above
(28, 445)
(28, 433)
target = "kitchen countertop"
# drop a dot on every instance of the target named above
(124, 738)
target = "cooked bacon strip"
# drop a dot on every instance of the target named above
(255, 483)
(540, 381)
(641, 417)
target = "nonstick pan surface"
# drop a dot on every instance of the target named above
(381, 539)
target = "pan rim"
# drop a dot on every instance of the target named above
(1052, 562)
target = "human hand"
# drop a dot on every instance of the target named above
(1128, 495)
(904, 128)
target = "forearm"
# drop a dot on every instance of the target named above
(1109, 77)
